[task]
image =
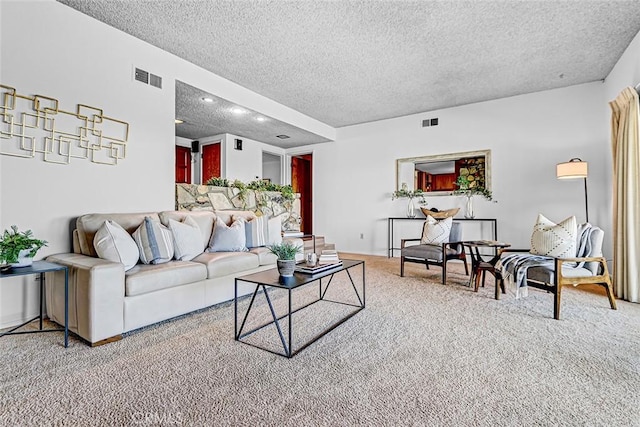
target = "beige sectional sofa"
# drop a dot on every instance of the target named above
(105, 301)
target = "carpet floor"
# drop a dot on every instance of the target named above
(420, 354)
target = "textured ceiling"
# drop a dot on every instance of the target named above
(203, 119)
(347, 62)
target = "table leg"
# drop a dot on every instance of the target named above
(41, 297)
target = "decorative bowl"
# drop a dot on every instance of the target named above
(440, 214)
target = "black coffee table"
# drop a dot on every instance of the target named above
(271, 279)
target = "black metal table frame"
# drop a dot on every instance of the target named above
(42, 267)
(288, 347)
(391, 220)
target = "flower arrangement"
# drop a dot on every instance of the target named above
(468, 189)
(405, 193)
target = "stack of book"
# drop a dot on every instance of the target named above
(328, 256)
(303, 268)
(292, 233)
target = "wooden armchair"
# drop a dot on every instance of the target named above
(552, 276)
(431, 254)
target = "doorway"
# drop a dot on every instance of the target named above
(272, 168)
(301, 181)
(210, 161)
(183, 165)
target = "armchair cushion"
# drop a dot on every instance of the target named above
(431, 252)
(436, 232)
(554, 240)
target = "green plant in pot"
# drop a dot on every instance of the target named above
(18, 248)
(286, 253)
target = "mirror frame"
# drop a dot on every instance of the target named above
(445, 157)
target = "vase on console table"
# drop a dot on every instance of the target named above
(469, 209)
(411, 209)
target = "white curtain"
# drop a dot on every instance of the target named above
(626, 194)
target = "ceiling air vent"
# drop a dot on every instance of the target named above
(283, 136)
(155, 81)
(425, 123)
(429, 122)
(141, 76)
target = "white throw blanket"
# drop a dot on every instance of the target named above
(513, 266)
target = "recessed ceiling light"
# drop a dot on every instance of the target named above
(178, 121)
(260, 119)
(283, 136)
(237, 110)
(207, 99)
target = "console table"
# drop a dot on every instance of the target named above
(391, 221)
(41, 267)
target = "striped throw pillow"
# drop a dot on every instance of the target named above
(155, 242)
(257, 232)
(555, 240)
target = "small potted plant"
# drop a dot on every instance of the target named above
(17, 248)
(286, 253)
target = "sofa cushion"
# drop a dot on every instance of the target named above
(147, 278)
(257, 232)
(154, 241)
(265, 256)
(113, 243)
(187, 242)
(88, 225)
(204, 219)
(224, 263)
(228, 238)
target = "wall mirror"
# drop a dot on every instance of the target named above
(437, 174)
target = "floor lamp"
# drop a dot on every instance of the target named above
(573, 169)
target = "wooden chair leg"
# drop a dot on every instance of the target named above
(612, 298)
(444, 271)
(478, 273)
(499, 285)
(401, 266)
(556, 302)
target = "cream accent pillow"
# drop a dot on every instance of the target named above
(155, 242)
(113, 243)
(230, 238)
(436, 232)
(274, 236)
(555, 240)
(187, 240)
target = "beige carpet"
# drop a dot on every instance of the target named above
(420, 354)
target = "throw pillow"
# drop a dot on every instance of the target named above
(187, 240)
(230, 238)
(155, 242)
(113, 243)
(554, 240)
(436, 232)
(257, 232)
(275, 231)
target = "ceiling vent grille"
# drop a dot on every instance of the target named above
(141, 76)
(283, 136)
(430, 122)
(147, 78)
(155, 81)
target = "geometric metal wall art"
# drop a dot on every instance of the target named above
(31, 125)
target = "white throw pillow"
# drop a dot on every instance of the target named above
(113, 243)
(275, 231)
(230, 238)
(554, 240)
(436, 232)
(187, 239)
(155, 242)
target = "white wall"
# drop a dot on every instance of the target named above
(246, 164)
(50, 49)
(355, 175)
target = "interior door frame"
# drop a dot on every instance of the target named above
(222, 157)
(288, 158)
(282, 157)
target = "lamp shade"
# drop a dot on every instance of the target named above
(574, 168)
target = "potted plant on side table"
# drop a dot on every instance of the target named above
(17, 248)
(286, 253)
